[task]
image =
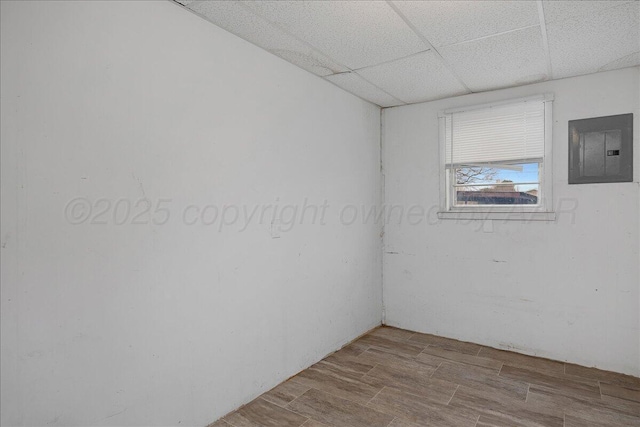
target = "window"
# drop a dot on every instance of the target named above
(496, 161)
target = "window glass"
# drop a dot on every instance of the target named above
(497, 184)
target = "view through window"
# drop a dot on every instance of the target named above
(506, 184)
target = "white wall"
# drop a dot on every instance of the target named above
(566, 290)
(173, 324)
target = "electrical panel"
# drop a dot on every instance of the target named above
(601, 149)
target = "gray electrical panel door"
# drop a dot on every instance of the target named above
(601, 149)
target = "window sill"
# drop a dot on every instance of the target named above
(500, 216)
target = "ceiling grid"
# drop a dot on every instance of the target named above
(402, 52)
(545, 40)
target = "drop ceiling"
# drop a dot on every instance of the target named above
(402, 52)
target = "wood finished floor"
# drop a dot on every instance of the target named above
(397, 378)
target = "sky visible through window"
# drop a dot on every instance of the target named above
(527, 172)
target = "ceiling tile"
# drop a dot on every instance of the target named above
(595, 42)
(355, 84)
(511, 59)
(237, 19)
(631, 60)
(420, 77)
(563, 10)
(354, 33)
(448, 22)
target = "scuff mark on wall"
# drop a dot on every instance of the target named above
(54, 420)
(144, 194)
(116, 413)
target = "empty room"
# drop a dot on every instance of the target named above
(320, 213)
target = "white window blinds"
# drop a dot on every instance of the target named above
(502, 133)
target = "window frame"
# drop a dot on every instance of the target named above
(542, 211)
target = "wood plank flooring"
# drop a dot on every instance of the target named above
(397, 378)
